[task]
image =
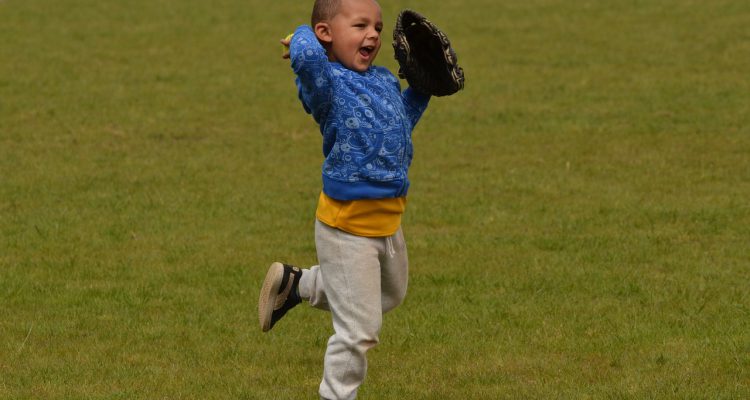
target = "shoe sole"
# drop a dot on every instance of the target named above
(268, 294)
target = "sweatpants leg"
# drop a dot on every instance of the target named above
(394, 277)
(311, 288)
(394, 271)
(358, 279)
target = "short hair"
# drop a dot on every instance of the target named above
(324, 10)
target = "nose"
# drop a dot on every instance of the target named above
(373, 34)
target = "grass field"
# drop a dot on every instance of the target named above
(578, 223)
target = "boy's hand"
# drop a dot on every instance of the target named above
(286, 42)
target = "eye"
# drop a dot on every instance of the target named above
(360, 25)
(379, 28)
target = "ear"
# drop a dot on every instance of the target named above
(323, 32)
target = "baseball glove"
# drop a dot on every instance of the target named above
(425, 56)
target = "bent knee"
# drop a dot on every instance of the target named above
(393, 301)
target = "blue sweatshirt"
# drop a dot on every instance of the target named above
(365, 119)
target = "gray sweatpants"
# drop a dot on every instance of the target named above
(358, 279)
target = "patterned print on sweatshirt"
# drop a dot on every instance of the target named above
(365, 119)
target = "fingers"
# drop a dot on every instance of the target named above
(286, 42)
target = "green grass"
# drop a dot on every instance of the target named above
(578, 223)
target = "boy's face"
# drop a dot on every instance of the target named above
(353, 34)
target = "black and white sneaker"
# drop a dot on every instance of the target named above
(278, 294)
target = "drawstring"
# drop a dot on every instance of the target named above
(389, 246)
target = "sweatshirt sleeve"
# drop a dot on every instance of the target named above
(314, 78)
(415, 103)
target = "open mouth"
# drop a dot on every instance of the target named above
(366, 51)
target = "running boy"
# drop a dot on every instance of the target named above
(366, 124)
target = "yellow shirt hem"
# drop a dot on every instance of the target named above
(366, 217)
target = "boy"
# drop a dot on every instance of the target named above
(366, 123)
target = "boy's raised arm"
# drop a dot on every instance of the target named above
(415, 103)
(310, 63)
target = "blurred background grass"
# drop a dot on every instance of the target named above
(578, 220)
